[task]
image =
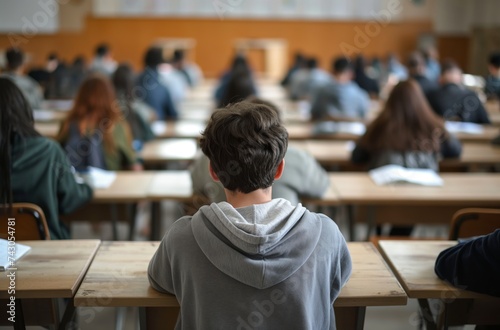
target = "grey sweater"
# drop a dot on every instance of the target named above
(266, 266)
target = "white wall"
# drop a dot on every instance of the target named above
(29, 16)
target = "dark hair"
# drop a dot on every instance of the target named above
(407, 123)
(416, 61)
(255, 100)
(15, 58)
(16, 122)
(239, 87)
(178, 55)
(245, 143)
(449, 65)
(312, 63)
(495, 60)
(53, 57)
(102, 50)
(123, 81)
(341, 65)
(153, 57)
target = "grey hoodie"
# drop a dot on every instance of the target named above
(266, 266)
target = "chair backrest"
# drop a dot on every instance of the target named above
(474, 222)
(30, 223)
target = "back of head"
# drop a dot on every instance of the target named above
(407, 123)
(16, 121)
(312, 63)
(416, 63)
(14, 58)
(239, 87)
(178, 56)
(123, 80)
(494, 60)
(102, 50)
(451, 73)
(153, 57)
(299, 59)
(341, 65)
(245, 143)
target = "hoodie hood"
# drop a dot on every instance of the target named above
(259, 245)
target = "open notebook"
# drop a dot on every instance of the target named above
(7, 257)
(394, 173)
(97, 178)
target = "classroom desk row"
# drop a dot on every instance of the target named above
(296, 131)
(114, 274)
(401, 204)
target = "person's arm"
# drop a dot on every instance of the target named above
(313, 179)
(451, 147)
(363, 104)
(70, 194)
(473, 265)
(360, 155)
(169, 106)
(160, 270)
(123, 139)
(482, 115)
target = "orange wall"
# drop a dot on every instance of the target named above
(130, 37)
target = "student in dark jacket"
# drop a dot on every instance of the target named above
(34, 169)
(473, 265)
(367, 83)
(453, 101)
(492, 87)
(406, 133)
(417, 70)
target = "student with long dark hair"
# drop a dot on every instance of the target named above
(34, 169)
(406, 133)
(94, 133)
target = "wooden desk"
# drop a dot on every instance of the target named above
(48, 129)
(128, 187)
(178, 129)
(52, 269)
(49, 116)
(413, 264)
(160, 152)
(118, 277)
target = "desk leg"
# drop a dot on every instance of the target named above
(67, 316)
(351, 318)
(429, 321)
(155, 221)
(370, 221)
(350, 222)
(132, 221)
(19, 323)
(143, 322)
(114, 221)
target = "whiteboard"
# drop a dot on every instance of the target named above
(28, 17)
(264, 9)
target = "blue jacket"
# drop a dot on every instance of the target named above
(152, 91)
(473, 265)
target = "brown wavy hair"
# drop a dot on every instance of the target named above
(95, 108)
(407, 123)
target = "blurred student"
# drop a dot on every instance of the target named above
(433, 68)
(103, 60)
(342, 98)
(189, 70)
(34, 169)
(406, 133)
(137, 113)
(417, 69)
(298, 63)
(42, 75)
(239, 66)
(259, 253)
(492, 87)
(15, 71)
(77, 74)
(453, 101)
(153, 89)
(304, 82)
(473, 265)
(239, 87)
(94, 133)
(361, 78)
(395, 69)
(302, 176)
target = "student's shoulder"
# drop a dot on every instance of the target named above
(295, 156)
(180, 229)
(43, 143)
(329, 227)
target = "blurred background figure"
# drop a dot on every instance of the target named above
(304, 82)
(433, 68)
(394, 68)
(417, 69)
(492, 87)
(364, 81)
(298, 63)
(103, 60)
(191, 72)
(33, 92)
(238, 79)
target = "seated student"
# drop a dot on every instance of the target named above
(417, 69)
(453, 101)
(299, 63)
(302, 176)
(137, 113)
(367, 83)
(239, 87)
(405, 133)
(342, 98)
(15, 68)
(189, 70)
(492, 87)
(94, 133)
(153, 89)
(103, 60)
(433, 68)
(395, 69)
(472, 265)
(304, 82)
(34, 168)
(239, 65)
(252, 255)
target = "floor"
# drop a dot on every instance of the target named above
(377, 318)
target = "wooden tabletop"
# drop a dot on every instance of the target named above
(178, 129)
(52, 269)
(127, 187)
(48, 129)
(472, 189)
(118, 277)
(171, 185)
(413, 264)
(168, 150)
